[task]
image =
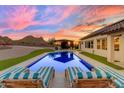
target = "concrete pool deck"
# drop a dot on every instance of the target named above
(59, 80)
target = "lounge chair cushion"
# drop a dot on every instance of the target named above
(22, 75)
(12, 70)
(72, 71)
(46, 74)
(118, 84)
(93, 75)
(113, 73)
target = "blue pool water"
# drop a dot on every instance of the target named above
(60, 61)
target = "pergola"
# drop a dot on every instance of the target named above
(64, 43)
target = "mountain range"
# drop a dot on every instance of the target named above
(26, 41)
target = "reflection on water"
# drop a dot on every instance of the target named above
(62, 57)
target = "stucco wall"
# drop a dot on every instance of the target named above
(122, 48)
(118, 55)
(100, 52)
(109, 53)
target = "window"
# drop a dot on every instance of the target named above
(104, 44)
(88, 44)
(91, 44)
(116, 43)
(98, 44)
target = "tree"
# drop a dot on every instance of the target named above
(51, 41)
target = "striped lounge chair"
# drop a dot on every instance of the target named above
(70, 73)
(118, 78)
(46, 75)
(22, 79)
(95, 79)
(41, 78)
(12, 70)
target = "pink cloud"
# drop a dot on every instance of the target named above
(60, 14)
(100, 13)
(66, 35)
(85, 28)
(2, 29)
(76, 32)
(20, 17)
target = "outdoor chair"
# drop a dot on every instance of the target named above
(118, 79)
(91, 79)
(40, 78)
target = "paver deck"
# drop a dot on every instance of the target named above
(60, 81)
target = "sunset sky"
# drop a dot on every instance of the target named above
(68, 22)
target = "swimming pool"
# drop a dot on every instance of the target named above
(60, 61)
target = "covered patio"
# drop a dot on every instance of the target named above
(64, 43)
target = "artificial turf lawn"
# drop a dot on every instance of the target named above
(13, 61)
(102, 60)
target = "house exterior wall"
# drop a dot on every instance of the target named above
(120, 55)
(110, 54)
(109, 48)
(122, 47)
(94, 50)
